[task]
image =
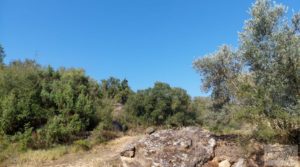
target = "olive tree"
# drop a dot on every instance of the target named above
(270, 46)
(219, 71)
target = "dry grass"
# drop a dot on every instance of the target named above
(36, 157)
(73, 155)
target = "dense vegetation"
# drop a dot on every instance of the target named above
(257, 84)
(41, 107)
(160, 105)
(55, 105)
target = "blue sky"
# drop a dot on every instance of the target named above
(142, 40)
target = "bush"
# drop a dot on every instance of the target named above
(61, 130)
(19, 97)
(100, 136)
(157, 106)
(82, 145)
(56, 105)
(181, 119)
(201, 107)
(264, 133)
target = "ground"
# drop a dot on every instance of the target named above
(103, 155)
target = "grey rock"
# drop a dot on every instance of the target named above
(186, 147)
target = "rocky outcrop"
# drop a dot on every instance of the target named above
(195, 147)
(188, 147)
(281, 155)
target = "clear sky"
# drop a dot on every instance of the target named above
(143, 41)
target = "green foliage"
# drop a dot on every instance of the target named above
(218, 72)
(2, 55)
(82, 145)
(103, 133)
(113, 88)
(41, 107)
(270, 47)
(264, 133)
(74, 97)
(160, 105)
(55, 105)
(104, 115)
(19, 96)
(260, 82)
(60, 129)
(201, 106)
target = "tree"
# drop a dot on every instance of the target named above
(160, 105)
(19, 95)
(115, 89)
(263, 76)
(270, 47)
(219, 71)
(2, 54)
(73, 97)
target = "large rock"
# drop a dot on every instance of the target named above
(281, 155)
(186, 147)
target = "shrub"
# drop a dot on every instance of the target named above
(265, 133)
(156, 106)
(82, 145)
(55, 105)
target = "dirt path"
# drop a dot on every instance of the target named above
(100, 156)
(104, 155)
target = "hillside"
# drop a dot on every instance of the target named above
(190, 146)
(248, 113)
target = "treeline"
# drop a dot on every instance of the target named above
(41, 107)
(259, 82)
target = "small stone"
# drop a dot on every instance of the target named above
(216, 159)
(224, 163)
(211, 164)
(251, 163)
(186, 144)
(212, 142)
(240, 163)
(129, 152)
(150, 130)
